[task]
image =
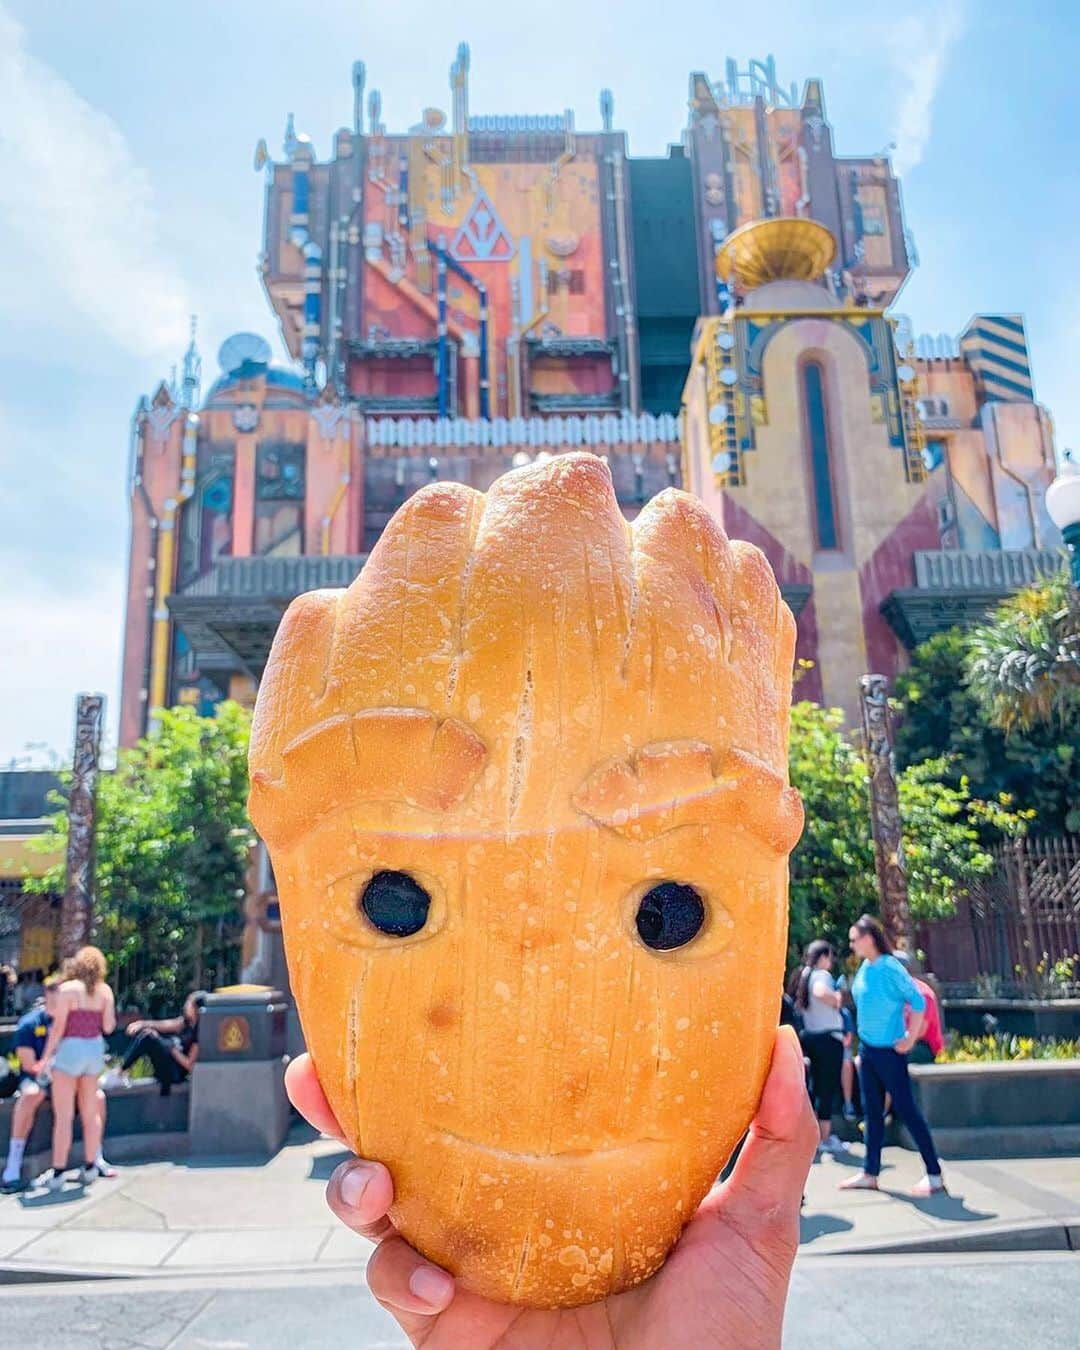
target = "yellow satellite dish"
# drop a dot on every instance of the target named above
(783, 248)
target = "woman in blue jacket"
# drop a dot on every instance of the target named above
(882, 989)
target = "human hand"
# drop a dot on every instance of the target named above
(904, 1045)
(724, 1283)
(133, 1028)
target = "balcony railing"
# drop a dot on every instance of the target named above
(281, 578)
(597, 430)
(987, 570)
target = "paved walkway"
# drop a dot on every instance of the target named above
(1014, 1204)
(219, 1218)
(167, 1218)
(980, 1302)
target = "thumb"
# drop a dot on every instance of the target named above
(305, 1092)
(764, 1192)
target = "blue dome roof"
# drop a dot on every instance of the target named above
(277, 377)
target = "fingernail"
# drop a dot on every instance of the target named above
(431, 1286)
(353, 1185)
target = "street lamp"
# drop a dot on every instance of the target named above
(1063, 508)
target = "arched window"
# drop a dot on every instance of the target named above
(817, 429)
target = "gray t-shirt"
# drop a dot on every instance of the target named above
(818, 1015)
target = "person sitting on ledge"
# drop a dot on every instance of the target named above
(171, 1044)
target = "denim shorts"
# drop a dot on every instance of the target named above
(79, 1055)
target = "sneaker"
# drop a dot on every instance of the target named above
(836, 1145)
(89, 1174)
(849, 1112)
(12, 1185)
(112, 1079)
(50, 1180)
(105, 1169)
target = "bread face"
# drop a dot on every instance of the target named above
(540, 715)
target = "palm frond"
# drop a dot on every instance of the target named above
(1024, 664)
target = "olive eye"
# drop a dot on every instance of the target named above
(395, 903)
(669, 916)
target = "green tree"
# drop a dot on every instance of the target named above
(1035, 772)
(1024, 665)
(942, 845)
(832, 867)
(173, 840)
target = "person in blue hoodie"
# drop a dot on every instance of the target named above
(882, 990)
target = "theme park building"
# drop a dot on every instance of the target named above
(476, 291)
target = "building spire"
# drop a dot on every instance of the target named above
(189, 390)
(359, 76)
(291, 140)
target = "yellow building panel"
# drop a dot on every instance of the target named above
(841, 642)
(17, 859)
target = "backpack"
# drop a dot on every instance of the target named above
(791, 1014)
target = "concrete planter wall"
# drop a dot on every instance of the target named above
(1015, 1016)
(140, 1123)
(1001, 1109)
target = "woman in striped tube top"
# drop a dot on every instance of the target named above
(75, 1057)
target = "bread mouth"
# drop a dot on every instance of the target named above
(564, 1156)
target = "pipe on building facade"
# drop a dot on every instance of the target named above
(136, 479)
(164, 570)
(632, 398)
(485, 356)
(300, 236)
(309, 346)
(443, 348)
(359, 77)
(568, 153)
(454, 266)
(332, 298)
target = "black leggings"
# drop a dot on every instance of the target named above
(826, 1055)
(159, 1053)
(881, 1070)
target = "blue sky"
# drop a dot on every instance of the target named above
(128, 200)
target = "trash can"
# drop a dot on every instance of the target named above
(238, 1101)
(241, 1023)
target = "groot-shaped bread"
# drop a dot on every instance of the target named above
(524, 785)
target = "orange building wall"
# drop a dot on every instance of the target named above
(558, 213)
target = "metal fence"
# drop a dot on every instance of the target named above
(151, 974)
(161, 970)
(1018, 929)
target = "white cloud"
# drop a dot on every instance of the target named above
(76, 215)
(919, 47)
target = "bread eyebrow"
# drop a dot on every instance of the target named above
(407, 755)
(615, 795)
